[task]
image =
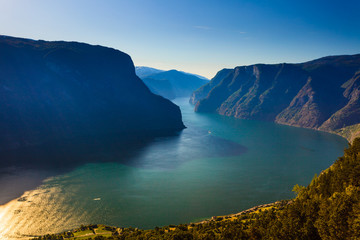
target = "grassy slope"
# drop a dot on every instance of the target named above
(349, 132)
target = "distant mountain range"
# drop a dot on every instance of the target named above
(143, 72)
(60, 90)
(322, 94)
(170, 84)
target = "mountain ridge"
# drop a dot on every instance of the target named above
(321, 94)
(172, 83)
(58, 90)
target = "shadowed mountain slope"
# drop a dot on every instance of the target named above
(172, 84)
(59, 90)
(142, 71)
(321, 94)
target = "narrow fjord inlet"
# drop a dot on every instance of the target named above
(179, 120)
(217, 165)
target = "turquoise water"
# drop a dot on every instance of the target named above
(217, 166)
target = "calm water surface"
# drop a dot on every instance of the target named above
(216, 166)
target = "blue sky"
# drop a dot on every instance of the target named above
(198, 36)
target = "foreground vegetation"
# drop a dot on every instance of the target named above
(329, 208)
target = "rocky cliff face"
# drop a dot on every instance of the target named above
(321, 94)
(59, 90)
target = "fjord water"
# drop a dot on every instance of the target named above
(216, 166)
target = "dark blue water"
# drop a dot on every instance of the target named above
(217, 166)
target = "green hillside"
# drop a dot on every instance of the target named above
(350, 132)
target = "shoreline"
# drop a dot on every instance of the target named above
(246, 211)
(249, 210)
(349, 133)
(82, 231)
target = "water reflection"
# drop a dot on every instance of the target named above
(24, 169)
(56, 203)
(192, 143)
(148, 182)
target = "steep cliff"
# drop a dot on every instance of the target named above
(59, 90)
(321, 94)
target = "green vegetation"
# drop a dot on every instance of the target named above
(329, 208)
(349, 132)
(96, 231)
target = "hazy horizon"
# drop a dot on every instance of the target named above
(199, 37)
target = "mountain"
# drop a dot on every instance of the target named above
(322, 94)
(196, 75)
(142, 71)
(60, 90)
(172, 84)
